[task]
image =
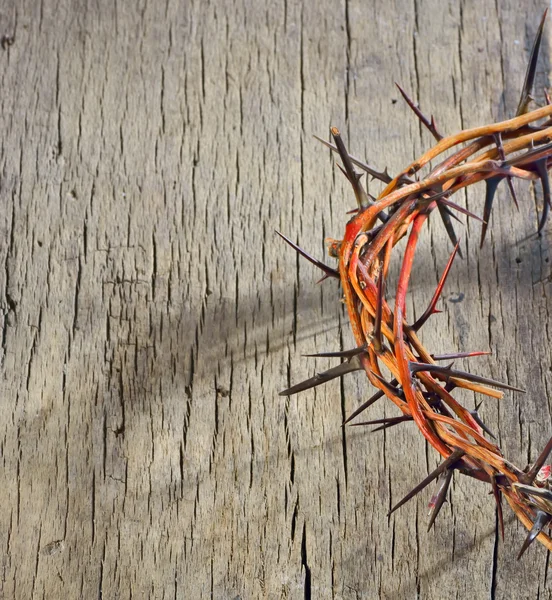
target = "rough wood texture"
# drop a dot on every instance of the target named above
(149, 314)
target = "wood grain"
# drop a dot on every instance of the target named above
(149, 314)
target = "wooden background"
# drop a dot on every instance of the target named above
(149, 315)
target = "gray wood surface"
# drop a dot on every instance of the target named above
(149, 315)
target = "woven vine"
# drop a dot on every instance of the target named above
(421, 388)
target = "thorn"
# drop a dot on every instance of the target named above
(344, 172)
(390, 387)
(429, 124)
(440, 497)
(451, 214)
(360, 193)
(339, 353)
(320, 378)
(327, 270)
(500, 148)
(448, 373)
(490, 189)
(459, 208)
(498, 500)
(382, 176)
(379, 394)
(431, 308)
(541, 521)
(389, 421)
(478, 420)
(449, 463)
(537, 465)
(543, 174)
(448, 226)
(531, 70)
(457, 355)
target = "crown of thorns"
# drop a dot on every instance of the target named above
(520, 147)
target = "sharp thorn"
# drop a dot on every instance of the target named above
(379, 394)
(320, 378)
(457, 355)
(459, 208)
(478, 420)
(541, 521)
(448, 226)
(382, 176)
(531, 70)
(500, 148)
(449, 463)
(490, 190)
(431, 308)
(448, 373)
(390, 387)
(439, 498)
(389, 421)
(429, 124)
(352, 175)
(339, 353)
(327, 270)
(512, 191)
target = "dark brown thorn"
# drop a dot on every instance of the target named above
(440, 497)
(449, 463)
(381, 175)
(448, 373)
(320, 378)
(327, 270)
(323, 278)
(344, 172)
(388, 425)
(459, 208)
(360, 193)
(541, 521)
(339, 353)
(378, 316)
(543, 174)
(451, 214)
(498, 500)
(443, 212)
(430, 310)
(379, 394)
(538, 464)
(390, 421)
(500, 148)
(475, 414)
(531, 70)
(430, 124)
(512, 191)
(459, 355)
(490, 189)
(390, 386)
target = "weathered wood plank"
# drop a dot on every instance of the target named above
(149, 314)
